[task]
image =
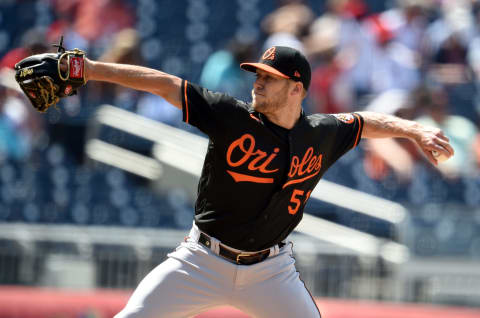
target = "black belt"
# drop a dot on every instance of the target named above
(240, 258)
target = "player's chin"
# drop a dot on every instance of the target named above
(257, 100)
(256, 104)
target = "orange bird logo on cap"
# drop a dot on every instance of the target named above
(269, 54)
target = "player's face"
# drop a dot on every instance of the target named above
(270, 92)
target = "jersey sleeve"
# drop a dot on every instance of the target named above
(349, 128)
(205, 109)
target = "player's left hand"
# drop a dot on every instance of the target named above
(46, 78)
(430, 140)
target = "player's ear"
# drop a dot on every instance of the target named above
(298, 89)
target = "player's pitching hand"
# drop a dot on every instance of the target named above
(434, 144)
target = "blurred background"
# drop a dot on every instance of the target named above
(95, 192)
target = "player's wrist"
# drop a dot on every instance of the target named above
(89, 69)
(413, 131)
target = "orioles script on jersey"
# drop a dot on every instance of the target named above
(301, 170)
(258, 160)
(255, 159)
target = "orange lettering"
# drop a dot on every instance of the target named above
(293, 181)
(296, 201)
(305, 159)
(310, 165)
(263, 167)
(293, 167)
(240, 177)
(241, 144)
(259, 160)
(307, 196)
(319, 162)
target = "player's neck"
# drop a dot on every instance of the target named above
(286, 118)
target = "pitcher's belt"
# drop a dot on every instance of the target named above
(239, 258)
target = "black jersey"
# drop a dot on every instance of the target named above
(254, 183)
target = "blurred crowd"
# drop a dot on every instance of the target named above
(417, 59)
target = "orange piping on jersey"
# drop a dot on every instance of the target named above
(186, 102)
(359, 129)
(240, 177)
(300, 180)
(251, 115)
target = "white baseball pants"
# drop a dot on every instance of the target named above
(194, 279)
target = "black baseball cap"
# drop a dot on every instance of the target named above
(285, 62)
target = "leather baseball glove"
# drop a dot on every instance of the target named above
(45, 78)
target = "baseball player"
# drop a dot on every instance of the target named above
(264, 159)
